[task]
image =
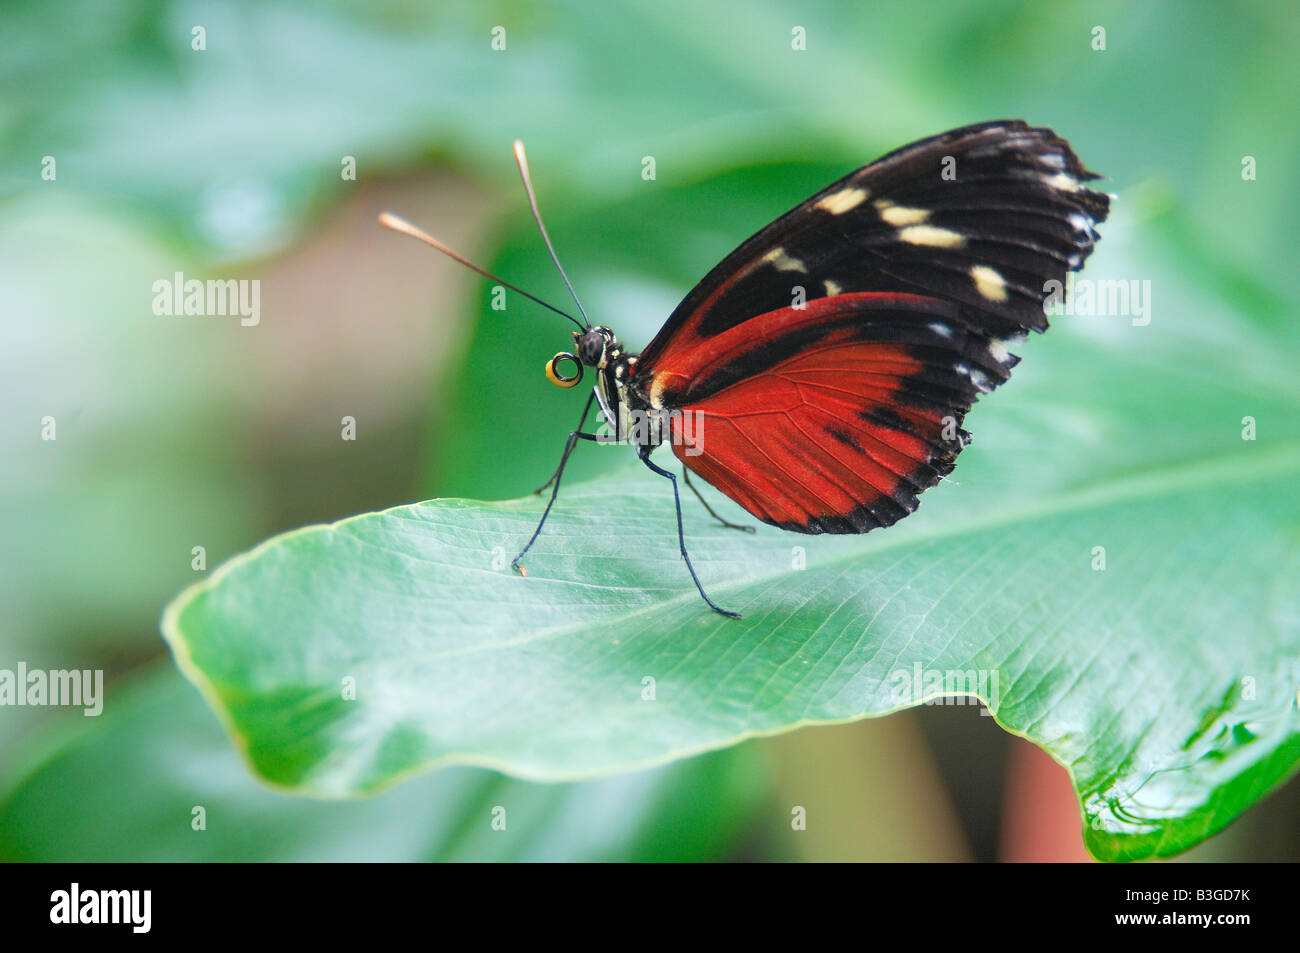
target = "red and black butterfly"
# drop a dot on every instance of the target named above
(819, 374)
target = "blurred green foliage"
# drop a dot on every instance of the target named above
(171, 159)
(129, 787)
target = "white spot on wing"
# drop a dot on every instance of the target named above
(899, 215)
(930, 235)
(832, 289)
(941, 329)
(989, 283)
(1066, 183)
(837, 203)
(779, 260)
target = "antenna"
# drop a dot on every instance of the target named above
(522, 160)
(399, 224)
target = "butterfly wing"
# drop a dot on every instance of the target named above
(982, 216)
(837, 415)
(831, 416)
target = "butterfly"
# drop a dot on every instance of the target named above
(819, 375)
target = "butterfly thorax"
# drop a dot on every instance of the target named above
(620, 401)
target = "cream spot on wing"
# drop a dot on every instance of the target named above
(999, 352)
(989, 283)
(837, 203)
(832, 289)
(657, 394)
(929, 235)
(1066, 183)
(900, 215)
(779, 260)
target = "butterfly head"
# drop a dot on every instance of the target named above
(594, 347)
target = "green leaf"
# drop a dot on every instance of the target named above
(1166, 683)
(124, 786)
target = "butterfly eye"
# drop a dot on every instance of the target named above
(556, 375)
(591, 346)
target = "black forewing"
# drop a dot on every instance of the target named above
(984, 216)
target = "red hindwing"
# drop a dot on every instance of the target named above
(862, 413)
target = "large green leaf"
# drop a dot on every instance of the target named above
(1165, 683)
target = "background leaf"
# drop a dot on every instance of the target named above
(59, 807)
(225, 163)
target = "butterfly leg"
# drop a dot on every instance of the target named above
(586, 409)
(554, 483)
(681, 536)
(686, 472)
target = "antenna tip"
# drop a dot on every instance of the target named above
(389, 220)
